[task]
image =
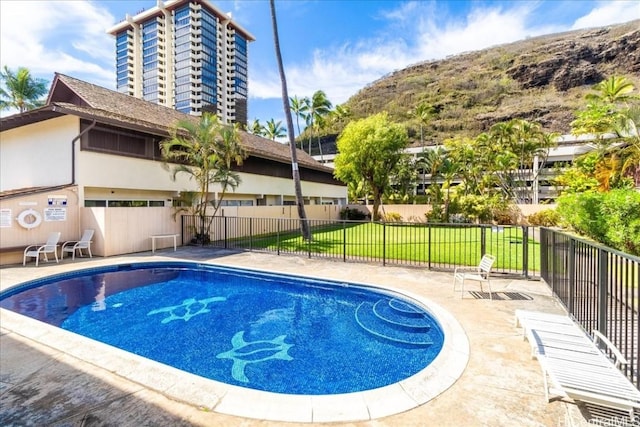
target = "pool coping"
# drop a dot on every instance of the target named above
(228, 399)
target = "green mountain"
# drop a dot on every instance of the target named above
(542, 79)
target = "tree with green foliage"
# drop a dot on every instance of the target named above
(628, 128)
(21, 90)
(423, 113)
(206, 151)
(299, 108)
(612, 115)
(611, 218)
(514, 153)
(404, 180)
(369, 151)
(429, 161)
(318, 109)
(598, 199)
(580, 177)
(340, 114)
(305, 229)
(256, 128)
(470, 153)
(614, 90)
(274, 130)
(449, 170)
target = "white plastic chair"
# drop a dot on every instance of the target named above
(78, 245)
(480, 274)
(51, 247)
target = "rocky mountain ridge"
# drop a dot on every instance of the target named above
(542, 79)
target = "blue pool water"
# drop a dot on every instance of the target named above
(265, 331)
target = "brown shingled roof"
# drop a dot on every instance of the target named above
(73, 96)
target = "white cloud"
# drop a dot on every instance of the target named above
(56, 36)
(344, 70)
(422, 31)
(265, 86)
(481, 29)
(609, 12)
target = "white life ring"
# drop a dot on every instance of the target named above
(22, 218)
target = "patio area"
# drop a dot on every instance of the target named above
(501, 385)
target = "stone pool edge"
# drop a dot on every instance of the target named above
(228, 399)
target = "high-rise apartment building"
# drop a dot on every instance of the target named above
(185, 54)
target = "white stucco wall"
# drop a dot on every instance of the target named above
(118, 172)
(37, 155)
(40, 155)
(113, 171)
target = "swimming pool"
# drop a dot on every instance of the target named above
(270, 332)
(397, 397)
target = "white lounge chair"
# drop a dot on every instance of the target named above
(480, 274)
(78, 245)
(573, 365)
(51, 247)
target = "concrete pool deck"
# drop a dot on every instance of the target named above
(41, 383)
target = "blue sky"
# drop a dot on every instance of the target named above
(335, 46)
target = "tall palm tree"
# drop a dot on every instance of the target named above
(206, 151)
(340, 113)
(23, 91)
(449, 170)
(520, 148)
(299, 107)
(274, 130)
(304, 224)
(319, 109)
(256, 128)
(423, 112)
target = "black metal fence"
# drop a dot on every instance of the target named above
(434, 246)
(600, 288)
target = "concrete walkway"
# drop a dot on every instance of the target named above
(501, 385)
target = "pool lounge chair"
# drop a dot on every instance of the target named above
(573, 365)
(51, 247)
(78, 245)
(478, 274)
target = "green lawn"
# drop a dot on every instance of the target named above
(417, 243)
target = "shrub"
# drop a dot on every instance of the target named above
(612, 218)
(392, 217)
(476, 208)
(436, 214)
(506, 214)
(581, 211)
(621, 210)
(545, 218)
(353, 214)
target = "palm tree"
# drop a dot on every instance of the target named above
(449, 170)
(615, 89)
(304, 224)
(274, 130)
(423, 112)
(521, 148)
(299, 107)
(206, 151)
(23, 91)
(605, 115)
(318, 108)
(629, 129)
(340, 114)
(256, 128)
